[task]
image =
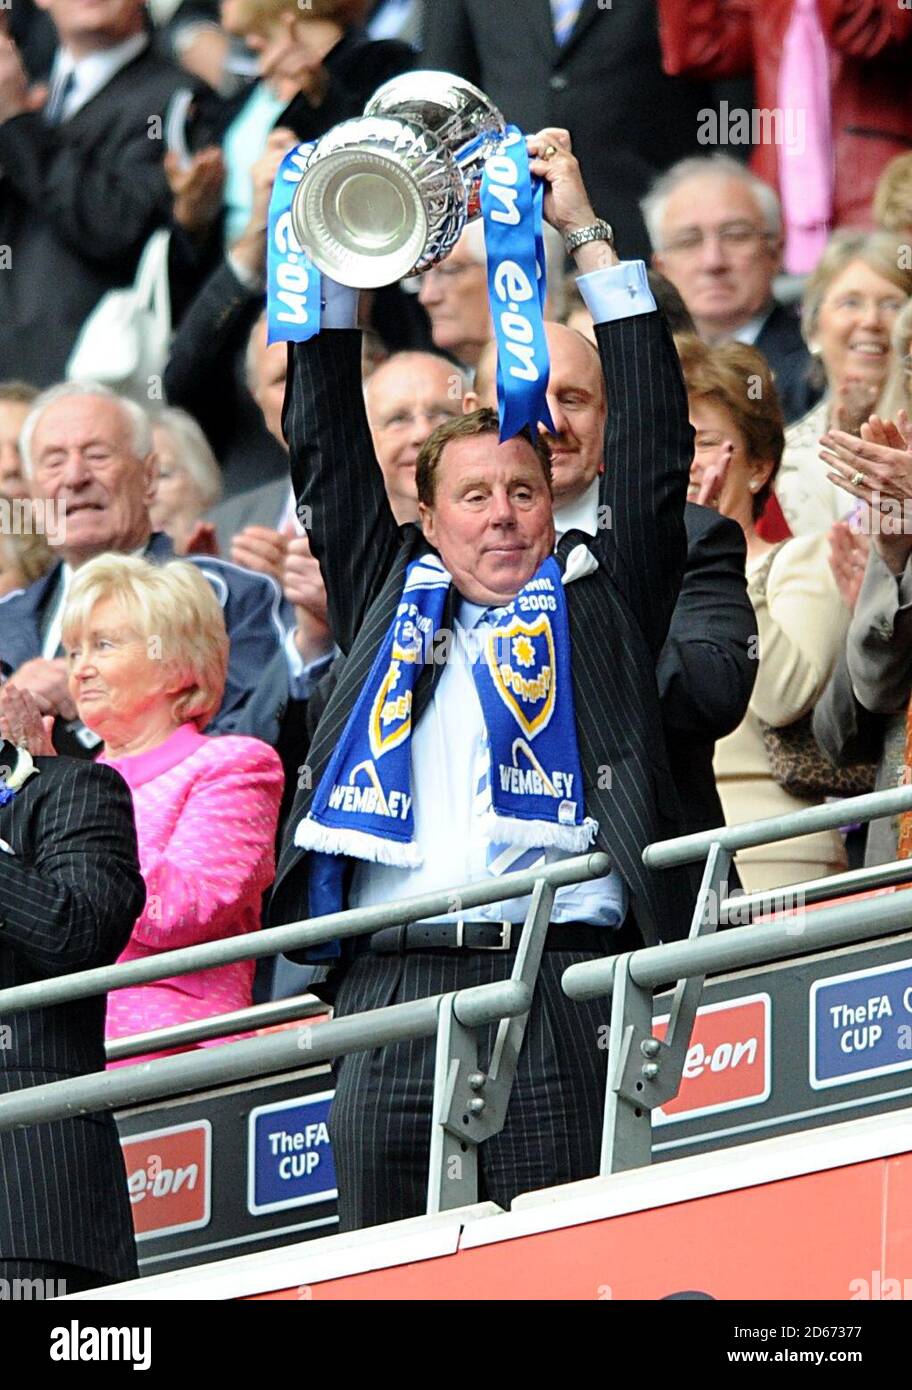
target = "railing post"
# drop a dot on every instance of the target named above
(470, 1105)
(627, 1133)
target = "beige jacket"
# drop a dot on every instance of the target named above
(810, 502)
(801, 623)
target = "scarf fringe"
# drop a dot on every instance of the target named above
(539, 834)
(356, 844)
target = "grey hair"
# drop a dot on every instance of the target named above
(140, 424)
(193, 452)
(882, 252)
(555, 260)
(720, 166)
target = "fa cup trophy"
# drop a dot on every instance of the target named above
(388, 194)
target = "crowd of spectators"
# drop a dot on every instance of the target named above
(169, 614)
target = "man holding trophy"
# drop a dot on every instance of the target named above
(539, 735)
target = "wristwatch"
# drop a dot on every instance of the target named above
(596, 231)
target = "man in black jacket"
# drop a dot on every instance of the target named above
(82, 186)
(70, 892)
(620, 593)
(595, 68)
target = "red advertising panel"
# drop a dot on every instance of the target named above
(728, 1061)
(169, 1176)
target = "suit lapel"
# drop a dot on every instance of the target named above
(541, 26)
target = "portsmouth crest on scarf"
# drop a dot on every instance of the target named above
(521, 668)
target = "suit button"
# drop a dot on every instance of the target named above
(558, 82)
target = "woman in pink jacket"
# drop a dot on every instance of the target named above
(147, 654)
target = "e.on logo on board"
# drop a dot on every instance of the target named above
(169, 1178)
(728, 1061)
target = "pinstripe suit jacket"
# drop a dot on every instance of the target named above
(69, 895)
(619, 615)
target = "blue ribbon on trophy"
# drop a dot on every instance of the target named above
(511, 203)
(293, 282)
(386, 196)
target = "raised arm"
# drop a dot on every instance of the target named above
(641, 541)
(337, 480)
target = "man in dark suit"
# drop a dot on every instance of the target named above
(717, 233)
(620, 589)
(89, 458)
(82, 180)
(70, 892)
(594, 68)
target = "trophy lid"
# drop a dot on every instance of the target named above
(454, 110)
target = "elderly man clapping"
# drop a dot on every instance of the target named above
(89, 458)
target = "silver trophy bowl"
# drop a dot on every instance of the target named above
(387, 195)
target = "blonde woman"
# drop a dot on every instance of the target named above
(801, 619)
(849, 312)
(147, 652)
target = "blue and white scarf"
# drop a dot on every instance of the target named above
(521, 668)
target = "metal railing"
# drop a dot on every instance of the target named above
(471, 1098)
(644, 1071)
(470, 1102)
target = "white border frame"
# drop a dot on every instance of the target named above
(206, 1127)
(659, 1118)
(264, 1209)
(888, 1068)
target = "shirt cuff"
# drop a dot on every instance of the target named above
(617, 292)
(256, 284)
(340, 305)
(303, 676)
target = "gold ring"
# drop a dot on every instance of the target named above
(550, 152)
(857, 479)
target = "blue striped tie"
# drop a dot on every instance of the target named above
(565, 13)
(54, 107)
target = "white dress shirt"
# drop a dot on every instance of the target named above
(91, 73)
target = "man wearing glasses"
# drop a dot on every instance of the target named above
(455, 295)
(716, 231)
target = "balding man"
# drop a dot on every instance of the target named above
(88, 455)
(455, 294)
(705, 671)
(407, 397)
